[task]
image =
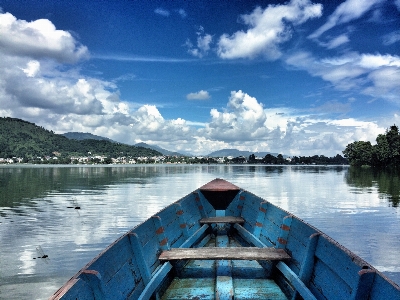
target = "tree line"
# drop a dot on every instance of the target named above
(299, 160)
(385, 153)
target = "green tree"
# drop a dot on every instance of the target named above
(393, 139)
(269, 159)
(107, 160)
(252, 158)
(359, 153)
(280, 160)
(387, 148)
(382, 151)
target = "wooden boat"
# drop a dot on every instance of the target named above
(222, 242)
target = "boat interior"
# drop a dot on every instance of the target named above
(211, 271)
(222, 242)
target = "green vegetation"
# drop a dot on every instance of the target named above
(300, 160)
(385, 153)
(22, 139)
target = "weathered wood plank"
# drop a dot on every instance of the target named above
(74, 289)
(224, 288)
(241, 253)
(342, 262)
(196, 236)
(93, 279)
(155, 281)
(227, 219)
(235, 208)
(326, 284)
(295, 281)
(248, 236)
(191, 288)
(383, 289)
(113, 258)
(257, 289)
(139, 255)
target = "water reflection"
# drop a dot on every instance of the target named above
(21, 185)
(386, 181)
(37, 209)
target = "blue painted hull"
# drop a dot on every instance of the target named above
(304, 263)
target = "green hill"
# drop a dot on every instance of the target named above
(85, 136)
(19, 138)
(161, 150)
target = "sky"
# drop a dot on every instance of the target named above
(295, 77)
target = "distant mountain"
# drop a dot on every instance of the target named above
(23, 139)
(85, 136)
(88, 136)
(237, 153)
(159, 149)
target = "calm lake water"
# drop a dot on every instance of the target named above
(358, 208)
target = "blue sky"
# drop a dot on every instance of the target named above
(294, 77)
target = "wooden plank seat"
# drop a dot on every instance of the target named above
(228, 219)
(234, 253)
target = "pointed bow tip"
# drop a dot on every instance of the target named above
(219, 185)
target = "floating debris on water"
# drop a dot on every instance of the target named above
(75, 205)
(41, 254)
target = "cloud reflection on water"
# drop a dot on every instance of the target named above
(113, 200)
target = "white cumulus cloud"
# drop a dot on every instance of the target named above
(32, 68)
(38, 39)
(202, 47)
(200, 95)
(267, 29)
(243, 119)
